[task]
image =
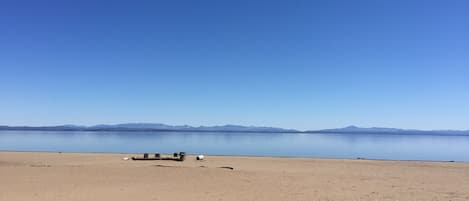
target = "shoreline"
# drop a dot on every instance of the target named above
(251, 156)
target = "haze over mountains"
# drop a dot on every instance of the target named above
(232, 128)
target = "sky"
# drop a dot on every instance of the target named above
(292, 64)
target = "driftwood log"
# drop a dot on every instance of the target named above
(181, 156)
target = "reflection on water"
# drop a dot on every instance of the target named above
(398, 147)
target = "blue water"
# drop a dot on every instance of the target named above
(377, 146)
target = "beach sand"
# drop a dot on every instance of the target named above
(28, 176)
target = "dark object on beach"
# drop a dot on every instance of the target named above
(227, 167)
(181, 156)
(164, 166)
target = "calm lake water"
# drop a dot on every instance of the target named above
(373, 146)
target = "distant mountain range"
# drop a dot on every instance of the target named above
(378, 130)
(152, 127)
(232, 128)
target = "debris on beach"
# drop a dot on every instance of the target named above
(181, 156)
(227, 167)
(200, 157)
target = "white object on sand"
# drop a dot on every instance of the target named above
(125, 159)
(200, 157)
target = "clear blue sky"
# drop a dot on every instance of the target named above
(293, 64)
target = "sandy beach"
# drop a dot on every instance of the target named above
(27, 176)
